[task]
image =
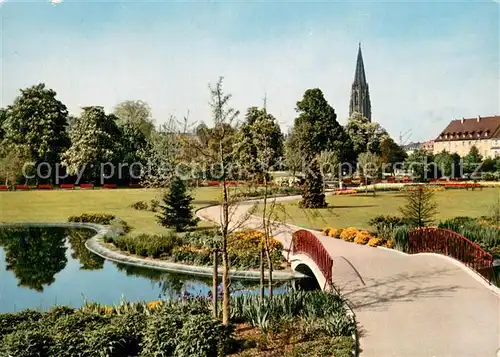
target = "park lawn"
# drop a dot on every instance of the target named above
(58, 205)
(357, 210)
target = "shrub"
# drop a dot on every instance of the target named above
(400, 235)
(154, 205)
(9, 321)
(98, 218)
(362, 237)
(140, 205)
(478, 231)
(383, 221)
(326, 230)
(161, 335)
(192, 255)
(202, 336)
(145, 245)
(349, 234)
(120, 226)
(27, 343)
(107, 341)
(375, 242)
(335, 233)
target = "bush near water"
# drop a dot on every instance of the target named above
(295, 324)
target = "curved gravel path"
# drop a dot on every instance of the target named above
(422, 305)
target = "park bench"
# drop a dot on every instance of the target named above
(67, 186)
(109, 186)
(4, 188)
(87, 186)
(47, 186)
(21, 187)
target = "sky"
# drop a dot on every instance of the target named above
(426, 62)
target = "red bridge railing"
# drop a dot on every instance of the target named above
(304, 242)
(446, 242)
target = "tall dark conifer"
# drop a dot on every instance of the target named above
(177, 211)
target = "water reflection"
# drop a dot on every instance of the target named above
(34, 255)
(43, 267)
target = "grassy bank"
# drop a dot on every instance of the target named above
(57, 206)
(357, 210)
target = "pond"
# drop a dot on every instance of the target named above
(43, 267)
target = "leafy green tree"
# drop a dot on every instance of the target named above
(420, 208)
(177, 210)
(316, 128)
(95, 139)
(420, 163)
(391, 153)
(135, 114)
(294, 159)
(313, 195)
(472, 160)
(259, 142)
(488, 165)
(132, 143)
(12, 161)
(3, 118)
(364, 135)
(370, 166)
(161, 155)
(445, 162)
(37, 121)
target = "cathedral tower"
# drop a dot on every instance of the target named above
(360, 95)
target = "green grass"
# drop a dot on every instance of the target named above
(357, 210)
(57, 206)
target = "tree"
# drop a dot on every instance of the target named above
(137, 114)
(391, 153)
(445, 162)
(369, 165)
(420, 164)
(218, 152)
(132, 143)
(37, 121)
(12, 161)
(177, 210)
(316, 128)
(313, 195)
(328, 164)
(94, 140)
(161, 155)
(420, 208)
(294, 159)
(259, 125)
(364, 135)
(3, 118)
(488, 165)
(472, 160)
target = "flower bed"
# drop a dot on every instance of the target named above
(358, 236)
(197, 248)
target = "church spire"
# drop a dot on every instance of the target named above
(360, 95)
(359, 75)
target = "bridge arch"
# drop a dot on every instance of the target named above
(310, 257)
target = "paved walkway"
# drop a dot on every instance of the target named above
(406, 306)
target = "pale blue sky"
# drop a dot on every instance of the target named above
(426, 62)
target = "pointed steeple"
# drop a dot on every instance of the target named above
(359, 75)
(360, 95)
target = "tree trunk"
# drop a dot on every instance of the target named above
(226, 307)
(270, 265)
(215, 283)
(261, 273)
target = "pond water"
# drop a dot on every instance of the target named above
(43, 267)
